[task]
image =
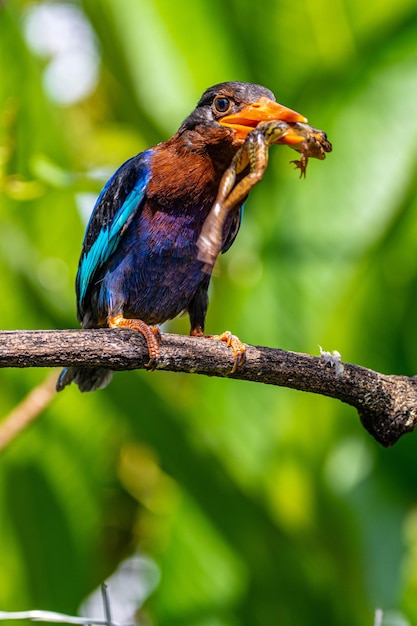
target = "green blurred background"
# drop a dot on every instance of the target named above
(247, 505)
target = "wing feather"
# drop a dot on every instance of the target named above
(119, 201)
(233, 231)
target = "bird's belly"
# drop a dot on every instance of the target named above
(153, 276)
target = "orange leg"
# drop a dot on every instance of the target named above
(151, 334)
(238, 347)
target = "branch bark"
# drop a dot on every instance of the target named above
(387, 404)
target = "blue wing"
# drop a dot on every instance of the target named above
(121, 199)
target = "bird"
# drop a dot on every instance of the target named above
(139, 263)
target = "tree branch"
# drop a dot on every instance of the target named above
(387, 405)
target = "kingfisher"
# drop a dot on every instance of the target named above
(139, 264)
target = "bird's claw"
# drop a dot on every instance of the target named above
(154, 341)
(238, 347)
(231, 341)
(152, 364)
(151, 334)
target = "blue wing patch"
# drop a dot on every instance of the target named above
(99, 250)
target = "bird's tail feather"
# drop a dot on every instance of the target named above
(87, 379)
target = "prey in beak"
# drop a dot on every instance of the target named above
(263, 110)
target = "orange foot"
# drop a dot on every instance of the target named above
(231, 341)
(151, 334)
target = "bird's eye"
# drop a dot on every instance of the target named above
(222, 104)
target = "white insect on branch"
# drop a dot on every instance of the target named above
(334, 359)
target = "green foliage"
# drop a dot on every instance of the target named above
(260, 505)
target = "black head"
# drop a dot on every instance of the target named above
(240, 93)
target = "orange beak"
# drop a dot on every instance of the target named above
(264, 110)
